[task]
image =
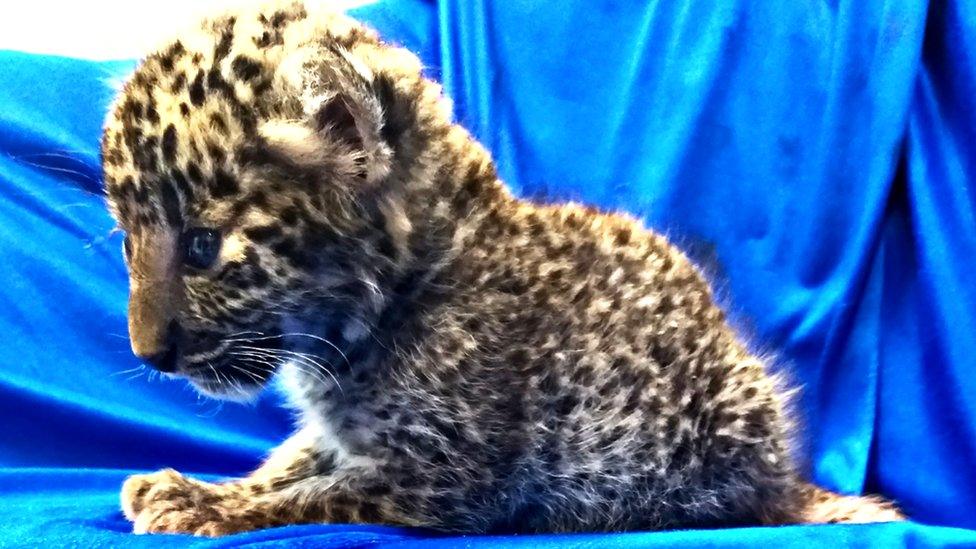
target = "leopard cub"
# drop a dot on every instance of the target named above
(298, 204)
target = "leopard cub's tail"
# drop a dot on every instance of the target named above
(823, 506)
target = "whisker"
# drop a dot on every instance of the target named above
(255, 358)
(301, 358)
(217, 409)
(214, 370)
(129, 371)
(318, 360)
(231, 336)
(299, 334)
(66, 156)
(312, 372)
(241, 367)
(141, 369)
(86, 176)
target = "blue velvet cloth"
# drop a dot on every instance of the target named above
(816, 157)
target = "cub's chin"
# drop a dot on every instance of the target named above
(239, 382)
(221, 390)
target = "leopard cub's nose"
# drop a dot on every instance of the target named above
(163, 356)
(164, 361)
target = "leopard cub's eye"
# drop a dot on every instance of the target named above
(201, 246)
(126, 248)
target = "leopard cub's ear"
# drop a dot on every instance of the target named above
(357, 122)
(341, 135)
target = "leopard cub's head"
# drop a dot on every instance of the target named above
(249, 165)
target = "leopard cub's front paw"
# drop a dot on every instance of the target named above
(166, 501)
(141, 491)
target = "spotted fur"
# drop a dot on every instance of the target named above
(460, 359)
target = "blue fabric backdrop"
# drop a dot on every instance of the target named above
(817, 157)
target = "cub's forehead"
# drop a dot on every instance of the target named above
(171, 136)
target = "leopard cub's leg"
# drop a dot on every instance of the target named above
(167, 501)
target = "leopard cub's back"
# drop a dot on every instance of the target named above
(580, 355)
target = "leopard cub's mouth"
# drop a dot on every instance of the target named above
(241, 367)
(237, 371)
(217, 386)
